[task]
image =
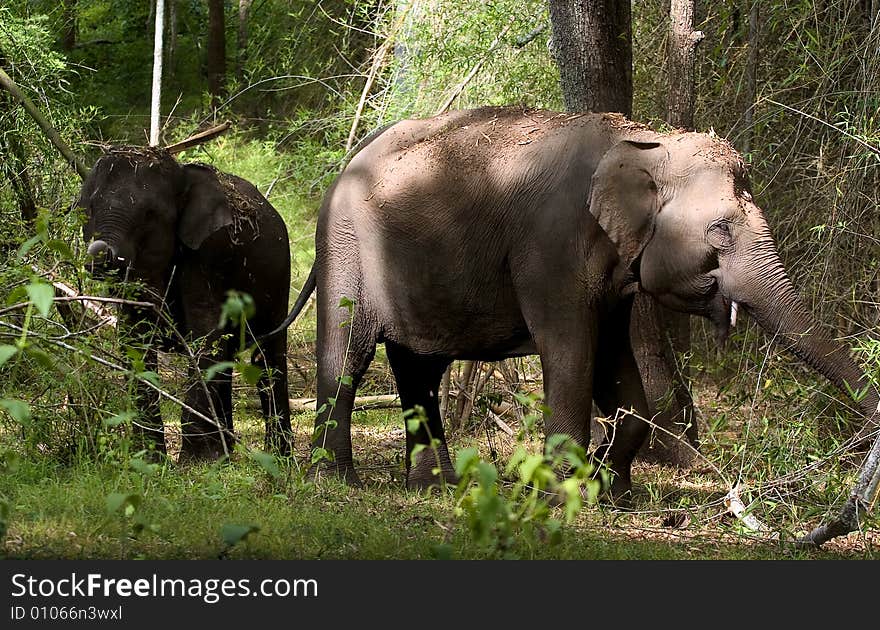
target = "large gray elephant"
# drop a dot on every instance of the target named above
(189, 234)
(500, 232)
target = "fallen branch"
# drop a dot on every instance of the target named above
(861, 500)
(385, 401)
(501, 424)
(735, 506)
(198, 138)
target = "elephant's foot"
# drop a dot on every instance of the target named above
(427, 472)
(343, 471)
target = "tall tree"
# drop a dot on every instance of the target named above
(68, 34)
(592, 45)
(156, 100)
(216, 50)
(667, 375)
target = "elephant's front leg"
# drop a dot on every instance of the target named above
(418, 384)
(620, 396)
(567, 358)
(208, 398)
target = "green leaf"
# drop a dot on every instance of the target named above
(6, 353)
(465, 458)
(250, 373)
(18, 409)
(145, 468)
(16, 296)
(61, 248)
(487, 474)
(417, 448)
(150, 376)
(320, 454)
(41, 356)
(42, 295)
(117, 500)
(346, 302)
(218, 367)
(529, 466)
(118, 419)
(234, 534)
(28, 245)
(413, 424)
(266, 461)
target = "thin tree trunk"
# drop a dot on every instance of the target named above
(244, 8)
(68, 37)
(216, 50)
(751, 78)
(666, 381)
(682, 53)
(156, 100)
(592, 44)
(172, 31)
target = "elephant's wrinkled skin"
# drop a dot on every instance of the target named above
(497, 232)
(189, 234)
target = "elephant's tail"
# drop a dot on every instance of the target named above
(301, 301)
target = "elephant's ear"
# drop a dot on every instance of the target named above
(625, 197)
(204, 206)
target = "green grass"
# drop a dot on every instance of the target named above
(61, 512)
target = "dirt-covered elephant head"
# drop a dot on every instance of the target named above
(680, 208)
(141, 204)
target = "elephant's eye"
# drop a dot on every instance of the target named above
(719, 234)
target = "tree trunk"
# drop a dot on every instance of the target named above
(68, 36)
(682, 52)
(172, 31)
(660, 335)
(244, 8)
(156, 99)
(216, 51)
(592, 44)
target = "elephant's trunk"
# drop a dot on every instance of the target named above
(768, 294)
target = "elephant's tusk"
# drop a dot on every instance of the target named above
(734, 307)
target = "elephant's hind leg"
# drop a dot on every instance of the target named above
(345, 347)
(418, 383)
(272, 358)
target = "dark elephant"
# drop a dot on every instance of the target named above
(189, 234)
(500, 232)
